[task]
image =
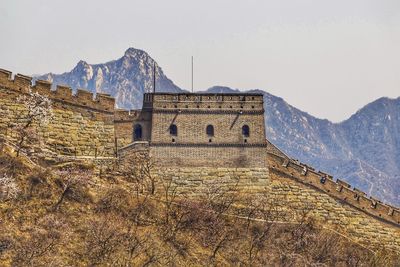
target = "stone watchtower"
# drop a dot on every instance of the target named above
(198, 130)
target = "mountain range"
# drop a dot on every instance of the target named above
(126, 78)
(363, 150)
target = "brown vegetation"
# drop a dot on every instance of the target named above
(67, 216)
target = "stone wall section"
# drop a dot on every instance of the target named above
(192, 145)
(330, 212)
(125, 123)
(207, 102)
(192, 128)
(81, 125)
(209, 155)
(203, 180)
(338, 189)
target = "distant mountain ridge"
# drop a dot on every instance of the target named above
(126, 78)
(364, 149)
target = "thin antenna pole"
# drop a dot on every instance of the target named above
(192, 74)
(154, 77)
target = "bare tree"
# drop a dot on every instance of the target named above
(137, 170)
(38, 112)
(112, 240)
(38, 247)
(170, 194)
(72, 181)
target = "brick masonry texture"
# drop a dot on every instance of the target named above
(201, 156)
(74, 131)
(329, 211)
(192, 114)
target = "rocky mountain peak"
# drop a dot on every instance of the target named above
(134, 52)
(81, 66)
(126, 78)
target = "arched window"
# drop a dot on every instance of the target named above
(173, 130)
(246, 131)
(137, 132)
(210, 130)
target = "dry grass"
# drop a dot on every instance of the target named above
(118, 222)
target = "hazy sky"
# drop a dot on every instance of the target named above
(328, 58)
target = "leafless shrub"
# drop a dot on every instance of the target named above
(170, 194)
(38, 184)
(137, 170)
(73, 183)
(119, 201)
(39, 244)
(6, 240)
(110, 240)
(11, 165)
(38, 113)
(103, 238)
(116, 200)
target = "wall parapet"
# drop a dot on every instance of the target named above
(23, 84)
(122, 115)
(337, 189)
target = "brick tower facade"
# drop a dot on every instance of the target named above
(185, 129)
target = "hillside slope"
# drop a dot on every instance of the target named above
(66, 215)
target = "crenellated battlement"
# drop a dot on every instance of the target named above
(82, 98)
(337, 189)
(205, 102)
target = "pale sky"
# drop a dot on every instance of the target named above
(328, 58)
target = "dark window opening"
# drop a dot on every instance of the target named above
(245, 140)
(137, 132)
(173, 130)
(173, 140)
(210, 130)
(209, 140)
(246, 131)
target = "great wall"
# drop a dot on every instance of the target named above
(87, 126)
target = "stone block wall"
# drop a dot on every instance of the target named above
(192, 114)
(209, 155)
(330, 212)
(339, 190)
(199, 102)
(81, 125)
(192, 127)
(125, 122)
(203, 180)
